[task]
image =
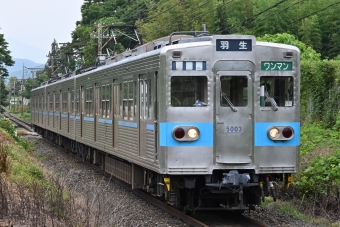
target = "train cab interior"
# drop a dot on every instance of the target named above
(279, 88)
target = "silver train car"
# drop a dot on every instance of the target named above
(203, 122)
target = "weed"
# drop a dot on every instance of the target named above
(4, 164)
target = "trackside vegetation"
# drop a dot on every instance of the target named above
(26, 191)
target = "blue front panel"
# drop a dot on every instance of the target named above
(261, 138)
(206, 134)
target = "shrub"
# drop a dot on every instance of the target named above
(322, 176)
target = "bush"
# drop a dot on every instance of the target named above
(322, 176)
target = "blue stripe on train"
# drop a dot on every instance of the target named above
(107, 121)
(261, 130)
(128, 124)
(206, 134)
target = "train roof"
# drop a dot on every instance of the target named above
(153, 47)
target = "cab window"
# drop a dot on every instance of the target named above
(280, 89)
(234, 91)
(189, 91)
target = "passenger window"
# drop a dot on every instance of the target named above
(105, 97)
(234, 91)
(72, 101)
(128, 99)
(189, 91)
(77, 102)
(279, 89)
(57, 99)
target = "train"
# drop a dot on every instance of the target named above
(202, 121)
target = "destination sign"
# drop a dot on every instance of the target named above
(276, 66)
(233, 45)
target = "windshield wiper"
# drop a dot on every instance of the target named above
(271, 100)
(228, 101)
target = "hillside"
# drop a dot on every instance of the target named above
(16, 70)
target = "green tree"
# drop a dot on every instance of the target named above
(31, 83)
(5, 57)
(54, 62)
(310, 33)
(5, 60)
(307, 53)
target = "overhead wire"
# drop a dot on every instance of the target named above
(193, 18)
(329, 43)
(275, 13)
(164, 11)
(186, 12)
(145, 10)
(256, 15)
(315, 12)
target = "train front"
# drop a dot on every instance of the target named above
(231, 125)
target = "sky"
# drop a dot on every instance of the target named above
(30, 26)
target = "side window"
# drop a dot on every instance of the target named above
(234, 91)
(189, 91)
(116, 99)
(42, 102)
(277, 90)
(128, 93)
(46, 103)
(72, 102)
(105, 100)
(108, 100)
(145, 98)
(89, 104)
(77, 100)
(51, 102)
(64, 98)
(57, 99)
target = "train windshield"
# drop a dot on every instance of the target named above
(280, 89)
(189, 91)
(234, 91)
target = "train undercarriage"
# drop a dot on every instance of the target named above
(222, 190)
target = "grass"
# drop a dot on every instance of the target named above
(17, 162)
(316, 143)
(22, 179)
(26, 116)
(285, 207)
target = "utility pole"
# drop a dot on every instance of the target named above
(22, 92)
(1, 89)
(15, 98)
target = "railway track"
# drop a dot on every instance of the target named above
(19, 121)
(204, 219)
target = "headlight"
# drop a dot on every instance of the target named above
(185, 133)
(281, 133)
(274, 133)
(193, 133)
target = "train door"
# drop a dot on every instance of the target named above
(48, 109)
(234, 134)
(42, 109)
(68, 102)
(81, 103)
(115, 112)
(60, 108)
(146, 117)
(53, 109)
(96, 110)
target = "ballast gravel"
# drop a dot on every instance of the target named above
(105, 202)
